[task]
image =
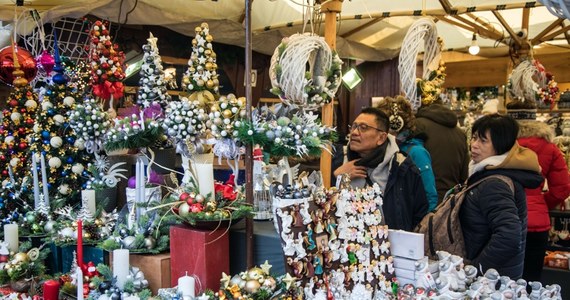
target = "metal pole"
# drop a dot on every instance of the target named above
(248, 151)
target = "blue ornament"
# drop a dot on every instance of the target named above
(46, 142)
(45, 134)
(51, 111)
(63, 173)
(70, 140)
(69, 160)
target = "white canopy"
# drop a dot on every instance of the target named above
(367, 29)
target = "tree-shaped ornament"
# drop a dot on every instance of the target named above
(15, 130)
(107, 72)
(55, 138)
(201, 78)
(152, 89)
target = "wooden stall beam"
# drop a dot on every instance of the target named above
(546, 30)
(508, 28)
(552, 35)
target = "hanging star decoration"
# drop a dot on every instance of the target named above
(152, 40)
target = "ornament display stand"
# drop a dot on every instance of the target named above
(204, 253)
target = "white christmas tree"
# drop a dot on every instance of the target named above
(201, 78)
(152, 83)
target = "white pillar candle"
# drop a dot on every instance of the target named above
(88, 200)
(79, 275)
(45, 180)
(36, 181)
(186, 286)
(205, 174)
(121, 266)
(11, 237)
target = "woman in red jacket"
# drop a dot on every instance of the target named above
(538, 136)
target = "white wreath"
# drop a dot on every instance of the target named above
(422, 30)
(559, 8)
(293, 83)
(526, 79)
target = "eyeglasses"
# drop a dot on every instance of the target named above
(362, 127)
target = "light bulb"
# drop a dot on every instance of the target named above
(474, 48)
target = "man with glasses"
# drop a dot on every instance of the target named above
(374, 157)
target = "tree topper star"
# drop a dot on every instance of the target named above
(152, 41)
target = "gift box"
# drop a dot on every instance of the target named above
(156, 269)
(90, 254)
(407, 263)
(406, 244)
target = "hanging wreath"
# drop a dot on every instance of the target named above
(423, 30)
(527, 79)
(293, 83)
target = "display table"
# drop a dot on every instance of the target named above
(267, 246)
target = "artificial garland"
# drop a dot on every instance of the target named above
(429, 89)
(299, 135)
(132, 133)
(24, 265)
(291, 80)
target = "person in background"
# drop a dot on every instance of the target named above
(493, 218)
(446, 143)
(373, 156)
(403, 127)
(538, 136)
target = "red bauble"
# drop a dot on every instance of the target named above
(26, 60)
(30, 121)
(2, 157)
(22, 130)
(23, 146)
(184, 196)
(5, 173)
(13, 102)
(23, 110)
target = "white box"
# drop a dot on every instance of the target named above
(403, 273)
(406, 244)
(407, 263)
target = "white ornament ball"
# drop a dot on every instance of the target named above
(46, 105)
(36, 128)
(16, 116)
(56, 142)
(77, 168)
(54, 162)
(14, 161)
(68, 101)
(80, 144)
(9, 139)
(67, 232)
(31, 104)
(58, 119)
(64, 189)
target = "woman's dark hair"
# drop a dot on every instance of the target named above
(381, 117)
(502, 129)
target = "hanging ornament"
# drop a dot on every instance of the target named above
(45, 61)
(26, 60)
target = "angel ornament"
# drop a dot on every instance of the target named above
(305, 213)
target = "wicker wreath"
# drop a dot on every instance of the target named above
(426, 31)
(559, 8)
(526, 79)
(293, 83)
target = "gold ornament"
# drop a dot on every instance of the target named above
(185, 80)
(211, 205)
(209, 38)
(198, 29)
(209, 66)
(209, 84)
(21, 257)
(252, 286)
(255, 274)
(204, 25)
(208, 52)
(227, 113)
(226, 214)
(200, 82)
(194, 42)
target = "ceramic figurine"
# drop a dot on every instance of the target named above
(424, 277)
(305, 213)
(318, 264)
(309, 238)
(536, 287)
(470, 274)
(297, 218)
(289, 247)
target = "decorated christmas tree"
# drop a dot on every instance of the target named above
(15, 130)
(56, 139)
(201, 78)
(107, 62)
(152, 89)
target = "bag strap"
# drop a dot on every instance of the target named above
(504, 178)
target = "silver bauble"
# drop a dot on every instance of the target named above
(149, 242)
(129, 242)
(48, 226)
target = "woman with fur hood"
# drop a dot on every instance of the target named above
(538, 136)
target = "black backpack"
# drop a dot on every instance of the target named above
(441, 227)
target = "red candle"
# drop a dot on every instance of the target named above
(80, 243)
(51, 290)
